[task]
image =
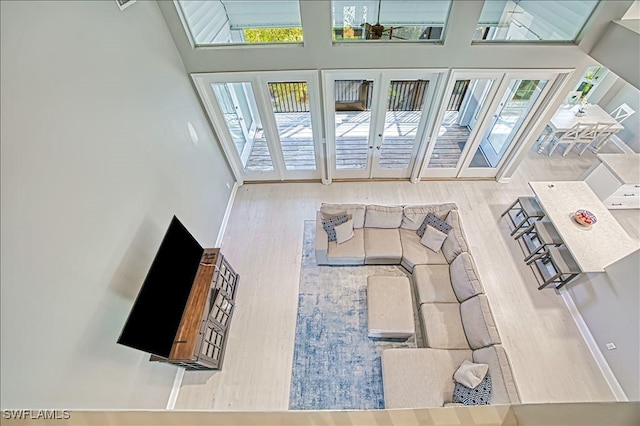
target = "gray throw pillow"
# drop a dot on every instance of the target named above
(480, 395)
(434, 221)
(329, 225)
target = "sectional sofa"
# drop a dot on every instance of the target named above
(455, 315)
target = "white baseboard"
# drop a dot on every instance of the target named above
(611, 379)
(620, 144)
(175, 389)
(227, 214)
(177, 382)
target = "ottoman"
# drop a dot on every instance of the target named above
(389, 307)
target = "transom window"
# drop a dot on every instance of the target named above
(533, 20)
(389, 20)
(214, 22)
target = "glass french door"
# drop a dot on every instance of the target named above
(376, 121)
(243, 124)
(267, 123)
(468, 96)
(519, 96)
(481, 120)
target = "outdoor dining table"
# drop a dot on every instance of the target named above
(593, 247)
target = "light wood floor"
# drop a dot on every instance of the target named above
(263, 241)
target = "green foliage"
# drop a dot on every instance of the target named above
(526, 89)
(273, 35)
(289, 96)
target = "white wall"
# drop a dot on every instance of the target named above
(457, 51)
(96, 159)
(633, 12)
(608, 302)
(622, 92)
(619, 50)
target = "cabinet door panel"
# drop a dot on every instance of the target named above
(602, 182)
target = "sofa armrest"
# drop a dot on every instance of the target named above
(322, 242)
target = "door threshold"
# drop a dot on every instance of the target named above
(484, 179)
(371, 180)
(284, 181)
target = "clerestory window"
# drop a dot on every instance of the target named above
(389, 20)
(533, 20)
(219, 22)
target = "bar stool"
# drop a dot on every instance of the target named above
(557, 267)
(523, 213)
(537, 237)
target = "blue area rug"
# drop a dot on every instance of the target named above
(335, 364)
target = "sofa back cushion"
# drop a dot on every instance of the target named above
(383, 216)
(504, 390)
(413, 216)
(456, 241)
(356, 211)
(478, 323)
(464, 277)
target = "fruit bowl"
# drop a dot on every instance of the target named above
(585, 217)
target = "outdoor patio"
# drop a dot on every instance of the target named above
(352, 144)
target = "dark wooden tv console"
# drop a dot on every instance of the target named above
(202, 335)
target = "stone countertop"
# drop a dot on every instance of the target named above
(593, 247)
(625, 167)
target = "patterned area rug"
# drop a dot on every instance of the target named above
(335, 364)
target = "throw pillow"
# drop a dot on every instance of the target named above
(480, 395)
(433, 239)
(344, 232)
(470, 374)
(434, 221)
(329, 225)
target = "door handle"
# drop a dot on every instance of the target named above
(380, 135)
(371, 147)
(378, 147)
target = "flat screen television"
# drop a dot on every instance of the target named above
(156, 313)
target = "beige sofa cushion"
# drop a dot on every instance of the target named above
(348, 253)
(383, 216)
(415, 378)
(478, 322)
(382, 246)
(464, 278)
(442, 326)
(456, 241)
(433, 284)
(504, 389)
(357, 211)
(414, 215)
(414, 253)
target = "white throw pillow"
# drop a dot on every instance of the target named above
(470, 374)
(432, 238)
(344, 232)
